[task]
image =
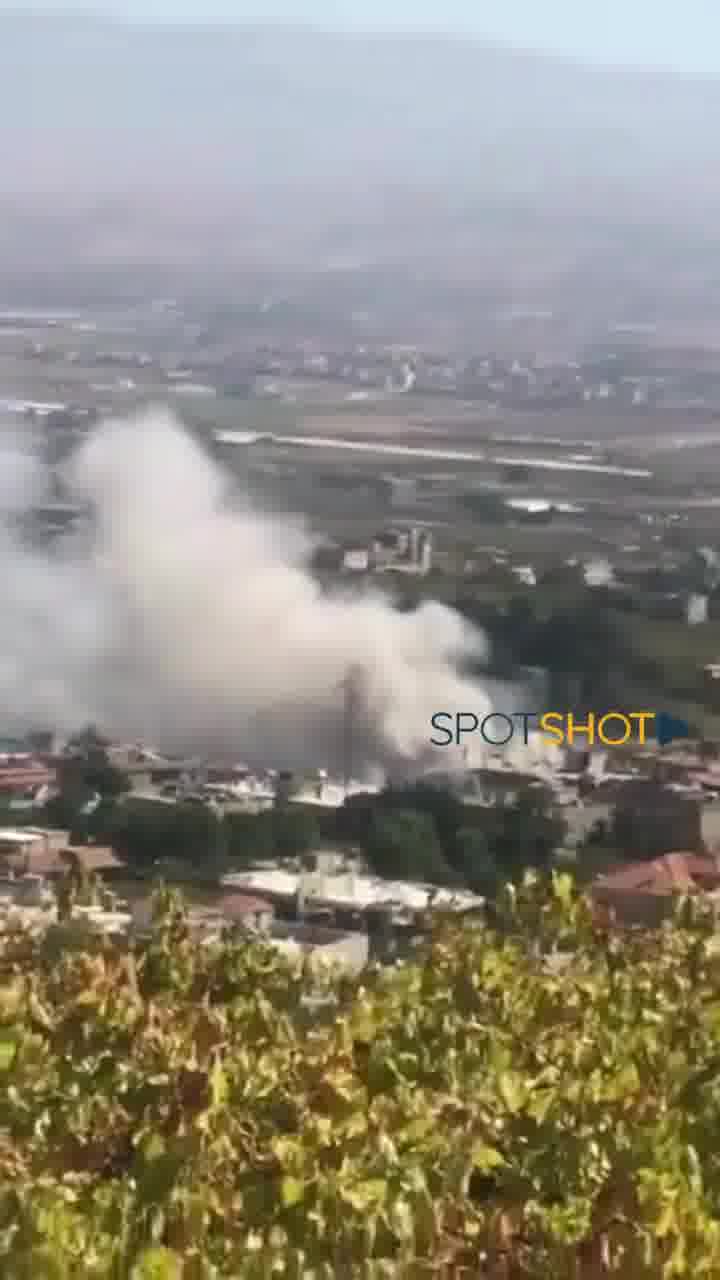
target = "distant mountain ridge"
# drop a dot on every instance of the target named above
(292, 144)
(250, 82)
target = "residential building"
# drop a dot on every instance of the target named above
(347, 891)
(356, 560)
(253, 913)
(23, 773)
(25, 890)
(18, 844)
(322, 947)
(697, 610)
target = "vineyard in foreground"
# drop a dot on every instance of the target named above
(177, 1112)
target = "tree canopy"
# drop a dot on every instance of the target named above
(142, 832)
(403, 844)
(418, 832)
(85, 774)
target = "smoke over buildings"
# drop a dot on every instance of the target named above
(178, 615)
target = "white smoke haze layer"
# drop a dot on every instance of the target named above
(176, 618)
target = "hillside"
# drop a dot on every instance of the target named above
(184, 146)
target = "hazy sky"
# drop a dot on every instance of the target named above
(676, 33)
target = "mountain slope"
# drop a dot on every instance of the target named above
(269, 144)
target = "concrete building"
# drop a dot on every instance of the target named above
(402, 551)
(23, 773)
(322, 947)
(525, 574)
(29, 903)
(356, 560)
(598, 573)
(99, 921)
(252, 913)
(19, 845)
(348, 891)
(25, 890)
(322, 792)
(494, 787)
(26, 901)
(425, 554)
(697, 610)
(710, 823)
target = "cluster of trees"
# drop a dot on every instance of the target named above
(598, 645)
(143, 832)
(580, 639)
(421, 832)
(175, 1112)
(426, 832)
(88, 781)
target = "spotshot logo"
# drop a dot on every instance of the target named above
(560, 728)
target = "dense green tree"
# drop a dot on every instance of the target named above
(466, 844)
(145, 832)
(477, 861)
(84, 773)
(87, 765)
(403, 844)
(523, 835)
(294, 831)
(583, 640)
(440, 803)
(250, 836)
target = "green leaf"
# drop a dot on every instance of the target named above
(292, 1191)
(667, 1222)
(485, 1158)
(154, 1147)
(159, 1178)
(41, 1263)
(512, 1091)
(540, 1104)
(219, 1088)
(365, 1195)
(288, 1151)
(563, 888)
(158, 1264)
(11, 996)
(8, 1049)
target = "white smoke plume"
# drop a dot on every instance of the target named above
(178, 618)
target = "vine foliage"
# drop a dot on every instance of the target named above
(170, 1111)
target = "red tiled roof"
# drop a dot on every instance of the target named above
(92, 857)
(673, 873)
(237, 905)
(14, 777)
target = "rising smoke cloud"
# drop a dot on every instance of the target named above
(180, 617)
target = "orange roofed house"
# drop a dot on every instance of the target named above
(644, 893)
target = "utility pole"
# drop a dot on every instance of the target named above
(352, 692)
